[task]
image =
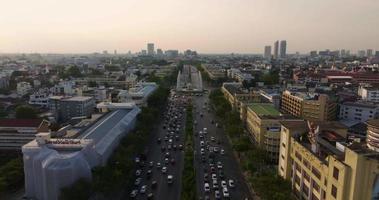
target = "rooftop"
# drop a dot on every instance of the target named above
(20, 122)
(373, 122)
(264, 109)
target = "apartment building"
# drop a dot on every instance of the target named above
(65, 108)
(236, 95)
(358, 111)
(322, 165)
(263, 124)
(310, 106)
(369, 92)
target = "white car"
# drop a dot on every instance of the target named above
(164, 170)
(138, 181)
(222, 152)
(217, 194)
(223, 184)
(206, 187)
(214, 177)
(134, 193)
(225, 192)
(143, 189)
(138, 172)
(231, 183)
(215, 184)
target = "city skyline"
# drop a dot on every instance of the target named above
(205, 26)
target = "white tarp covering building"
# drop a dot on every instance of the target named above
(50, 164)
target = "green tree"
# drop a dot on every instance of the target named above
(26, 112)
(81, 190)
(74, 71)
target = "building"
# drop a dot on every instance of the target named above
(373, 134)
(310, 106)
(271, 96)
(361, 53)
(369, 92)
(51, 164)
(23, 88)
(237, 95)
(39, 98)
(214, 72)
(14, 133)
(171, 53)
(4, 81)
(263, 124)
(267, 52)
(369, 52)
(150, 49)
(189, 79)
(320, 164)
(66, 108)
(283, 49)
(159, 52)
(356, 112)
(138, 94)
(276, 50)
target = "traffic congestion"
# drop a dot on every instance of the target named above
(159, 171)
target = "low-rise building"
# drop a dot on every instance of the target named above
(237, 95)
(214, 72)
(53, 163)
(23, 88)
(310, 106)
(14, 133)
(65, 108)
(356, 112)
(263, 124)
(320, 163)
(369, 92)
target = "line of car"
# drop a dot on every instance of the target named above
(169, 144)
(214, 179)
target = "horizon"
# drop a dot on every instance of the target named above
(209, 27)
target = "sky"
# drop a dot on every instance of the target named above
(208, 26)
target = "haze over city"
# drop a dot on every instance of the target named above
(209, 26)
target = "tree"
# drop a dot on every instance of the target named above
(80, 190)
(74, 71)
(26, 112)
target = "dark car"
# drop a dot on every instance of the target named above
(154, 184)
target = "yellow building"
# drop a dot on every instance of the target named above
(317, 107)
(263, 124)
(320, 165)
(236, 95)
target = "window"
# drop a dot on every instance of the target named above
(307, 164)
(314, 197)
(284, 145)
(334, 191)
(306, 177)
(316, 186)
(297, 180)
(298, 156)
(316, 172)
(305, 190)
(335, 173)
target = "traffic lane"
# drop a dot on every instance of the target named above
(230, 165)
(163, 190)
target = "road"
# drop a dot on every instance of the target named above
(230, 165)
(164, 190)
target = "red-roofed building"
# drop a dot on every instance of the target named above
(14, 133)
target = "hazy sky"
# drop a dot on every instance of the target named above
(208, 26)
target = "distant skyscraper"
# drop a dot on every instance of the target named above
(361, 53)
(267, 53)
(283, 49)
(159, 52)
(377, 54)
(369, 52)
(115, 52)
(150, 49)
(143, 52)
(276, 50)
(313, 53)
